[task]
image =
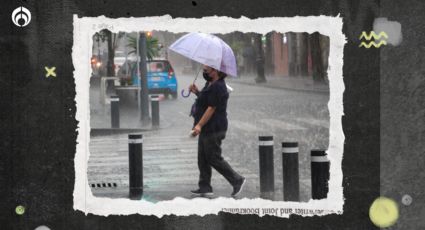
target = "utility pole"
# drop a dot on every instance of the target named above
(110, 64)
(144, 94)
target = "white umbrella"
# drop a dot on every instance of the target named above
(207, 49)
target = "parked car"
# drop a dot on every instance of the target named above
(120, 57)
(161, 77)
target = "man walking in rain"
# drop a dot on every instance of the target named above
(210, 114)
(210, 123)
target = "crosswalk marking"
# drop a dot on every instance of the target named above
(145, 148)
(146, 157)
(146, 162)
(151, 143)
(183, 137)
(188, 172)
(111, 152)
(166, 180)
(167, 161)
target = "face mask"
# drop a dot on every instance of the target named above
(207, 77)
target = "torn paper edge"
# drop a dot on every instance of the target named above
(85, 27)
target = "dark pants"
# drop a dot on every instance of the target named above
(209, 156)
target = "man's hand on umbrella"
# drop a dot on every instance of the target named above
(194, 89)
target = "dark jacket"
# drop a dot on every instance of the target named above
(215, 95)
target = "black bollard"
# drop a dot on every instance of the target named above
(155, 111)
(115, 112)
(135, 158)
(291, 184)
(320, 165)
(266, 144)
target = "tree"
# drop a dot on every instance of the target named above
(152, 46)
(292, 54)
(112, 39)
(144, 97)
(237, 47)
(98, 38)
(260, 59)
(316, 57)
(268, 52)
(302, 54)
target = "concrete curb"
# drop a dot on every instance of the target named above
(111, 131)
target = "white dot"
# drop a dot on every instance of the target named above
(42, 227)
(406, 200)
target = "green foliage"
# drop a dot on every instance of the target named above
(152, 46)
(112, 39)
(237, 47)
(104, 34)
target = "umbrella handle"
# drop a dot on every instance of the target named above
(187, 95)
(182, 93)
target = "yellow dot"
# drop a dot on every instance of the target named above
(20, 210)
(383, 212)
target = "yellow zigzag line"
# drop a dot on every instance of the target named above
(372, 44)
(372, 34)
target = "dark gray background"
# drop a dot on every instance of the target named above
(403, 113)
(383, 121)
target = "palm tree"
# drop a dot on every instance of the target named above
(112, 39)
(152, 46)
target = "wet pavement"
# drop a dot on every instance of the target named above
(169, 154)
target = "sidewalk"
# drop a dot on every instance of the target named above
(169, 168)
(100, 114)
(305, 84)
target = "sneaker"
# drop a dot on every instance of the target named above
(199, 192)
(238, 187)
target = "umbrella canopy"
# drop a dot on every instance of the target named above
(207, 49)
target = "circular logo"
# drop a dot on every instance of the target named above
(20, 210)
(383, 212)
(21, 16)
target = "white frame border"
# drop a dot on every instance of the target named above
(85, 27)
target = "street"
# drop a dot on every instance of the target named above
(170, 155)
